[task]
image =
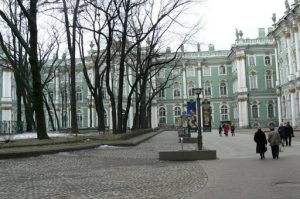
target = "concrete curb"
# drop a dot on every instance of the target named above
(31, 151)
(188, 155)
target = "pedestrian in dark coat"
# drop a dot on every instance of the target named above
(220, 130)
(282, 132)
(261, 141)
(275, 141)
(289, 134)
(232, 128)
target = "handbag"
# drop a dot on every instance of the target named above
(281, 149)
(266, 148)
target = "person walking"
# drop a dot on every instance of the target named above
(232, 128)
(282, 132)
(226, 129)
(261, 141)
(289, 134)
(220, 130)
(275, 141)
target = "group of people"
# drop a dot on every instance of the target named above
(275, 139)
(226, 127)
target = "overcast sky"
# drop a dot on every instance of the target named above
(220, 18)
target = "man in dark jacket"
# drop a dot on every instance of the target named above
(289, 133)
(281, 131)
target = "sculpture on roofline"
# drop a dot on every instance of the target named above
(274, 18)
(241, 34)
(287, 5)
(198, 47)
(237, 34)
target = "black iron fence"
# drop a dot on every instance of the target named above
(11, 127)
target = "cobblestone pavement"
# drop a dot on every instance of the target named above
(106, 172)
(136, 172)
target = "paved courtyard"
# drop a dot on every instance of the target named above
(136, 172)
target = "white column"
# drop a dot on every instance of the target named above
(184, 80)
(296, 36)
(154, 116)
(241, 71)
(292, 108)
(278, 84)
(199, 75)
(6, 96)
(110, 118)
(56, 87)
(288, 41)
(243, 113)
(130, 119)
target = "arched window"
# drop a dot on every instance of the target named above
(206, 71)
(104, 93)
(78, 94)
(297, 105)
(254, 110)
(207, 88)
(190, 88)
(51, 95)
(161, 93)
(267, 61)
(222, 70)
(190, 71)
(64, 119)
(79, 119)
(223, 90)
(64, 96)
(224, 113)
(270, 109)
(105, 118)
(176, 90)
(162, 115)
(252, 61)
(177, 114)
(253, 80)
(269, 79)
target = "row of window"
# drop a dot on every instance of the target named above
(224, 112)
(207, 70)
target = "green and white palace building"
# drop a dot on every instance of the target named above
(255, 83)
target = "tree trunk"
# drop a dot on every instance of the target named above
(36, 76)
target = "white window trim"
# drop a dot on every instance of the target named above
(219, 70)
(203, 73)
(228, 112)
(254, 60)
(270, 56)
(190, 73)
(256, 81)
(272, 82)
(226, 86)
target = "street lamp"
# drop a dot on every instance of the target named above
(90, 103)
(198, 91)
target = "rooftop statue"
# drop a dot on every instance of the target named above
(287, 5)
(274, 18)
(237, 34)
(241, 34)
(198, 47)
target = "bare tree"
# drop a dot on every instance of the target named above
(29, 12)
(71, 9)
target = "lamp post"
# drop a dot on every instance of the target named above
(90, 103)
(197, 91)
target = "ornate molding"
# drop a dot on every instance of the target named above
(240, 57)
(242, 98)
(294, 28)
(292, 90)
(287, 35)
